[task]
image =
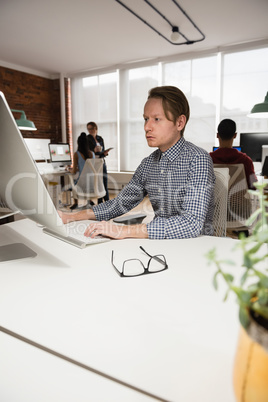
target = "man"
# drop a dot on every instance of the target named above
(178, 177)
(225, 154)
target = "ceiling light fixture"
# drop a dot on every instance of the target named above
(175, 36)
(176, 33)
(260, 110)
(23, 123)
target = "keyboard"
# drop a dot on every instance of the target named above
(75, 234)
(4, 210)
(48, 168)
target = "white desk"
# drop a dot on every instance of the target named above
(168, 334)
(29, 374)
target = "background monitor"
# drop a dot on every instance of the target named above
(38, 148)
(21, 186)
(60, 154)
(238, 148)
(251, 144)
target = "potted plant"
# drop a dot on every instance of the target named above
(251, 292)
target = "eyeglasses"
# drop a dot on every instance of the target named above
(135, 267)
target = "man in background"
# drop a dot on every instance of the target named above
(226, 154)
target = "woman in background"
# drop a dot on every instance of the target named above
(80, 156)
(96, 145)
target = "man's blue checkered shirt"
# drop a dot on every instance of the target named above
(180, 185)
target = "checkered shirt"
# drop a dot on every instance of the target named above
(180, 185)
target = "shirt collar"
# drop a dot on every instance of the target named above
(173, 152)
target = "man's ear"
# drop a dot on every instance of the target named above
(218, 135)
(181, 121)
(235, 135)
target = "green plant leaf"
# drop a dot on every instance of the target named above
(244, 278)
(247, 261)
(261, 310)
(226, 295)
(228, 277)
(214, 281)
(254, 216)
(262, 295)
(244, 296)
(211, 255)
(262, 236)
(228, 262)
(244, 317)
(263, 279)
(253, 288)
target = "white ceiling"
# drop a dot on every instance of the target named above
(71, 36)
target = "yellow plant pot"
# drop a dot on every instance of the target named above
(251, 369)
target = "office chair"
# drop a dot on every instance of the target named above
(240, 203)
(220, 201)
(90, 183)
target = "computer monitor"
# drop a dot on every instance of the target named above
(60, 154)
(21, 186)
(238, 148)
(251, 144)
(38, 148)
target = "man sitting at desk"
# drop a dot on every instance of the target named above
(225, 154)
(178, 177)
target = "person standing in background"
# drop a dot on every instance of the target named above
(96, 145)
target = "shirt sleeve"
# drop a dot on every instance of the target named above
(197, 205)
(128, 198)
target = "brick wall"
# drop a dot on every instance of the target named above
(39, 98)
(68, 111)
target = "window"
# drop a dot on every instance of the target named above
(95, 99)
(245, 83)
(217, 86)
(133, 94)
(198, 80)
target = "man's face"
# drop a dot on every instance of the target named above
(159, 131)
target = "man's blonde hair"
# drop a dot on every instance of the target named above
(174, 102)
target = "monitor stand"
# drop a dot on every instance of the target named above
(15, 251)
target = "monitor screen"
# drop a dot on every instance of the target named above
(38, 148)
(60, 153)
(238, 148)
(251, 144)
(21, 186)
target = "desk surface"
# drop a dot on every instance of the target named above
(169, 334)
(29, 374)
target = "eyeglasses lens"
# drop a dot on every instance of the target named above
(133, 267)
(157, 263)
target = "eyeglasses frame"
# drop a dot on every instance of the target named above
(146, 269)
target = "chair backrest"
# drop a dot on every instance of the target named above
(90, 182)
(239, 203)
(220, 201)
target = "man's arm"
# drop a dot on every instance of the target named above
(77, 216)
(116, 231)
(104, 228)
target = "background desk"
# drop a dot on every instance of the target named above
(55, 181)
(168, 334)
